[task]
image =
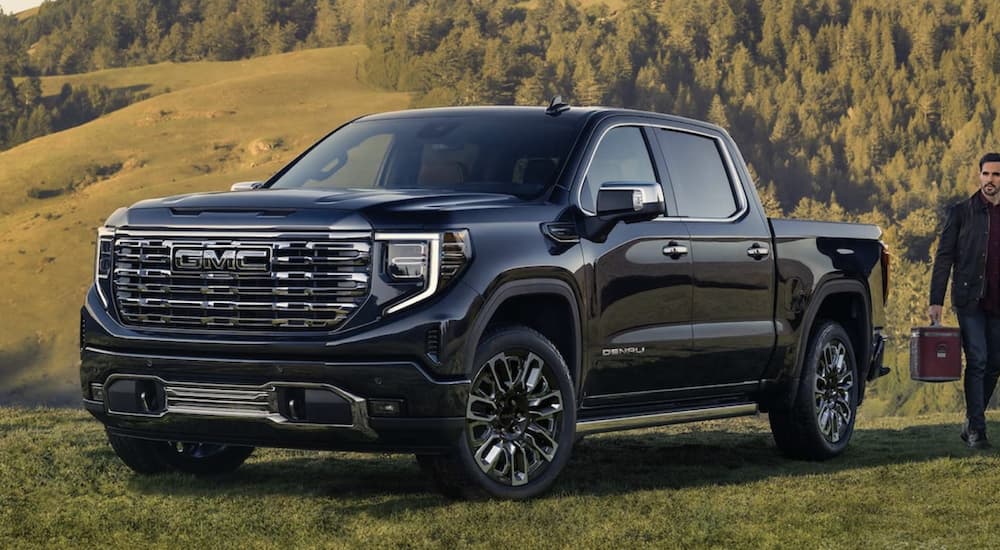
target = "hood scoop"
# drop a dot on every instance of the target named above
(256, 212)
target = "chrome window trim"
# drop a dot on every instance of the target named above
(433, 261)
(742, 203)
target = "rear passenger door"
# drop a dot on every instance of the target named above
(732, 316)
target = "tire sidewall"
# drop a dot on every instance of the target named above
(514, 339)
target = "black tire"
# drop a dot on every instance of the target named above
(152, 457)
(520, 424)
(141, 455)
(820, 422)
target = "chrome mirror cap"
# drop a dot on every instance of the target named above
(246, 185)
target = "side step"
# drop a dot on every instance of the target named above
(615, 424)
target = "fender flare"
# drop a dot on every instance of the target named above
(526, 287)
(861, 357)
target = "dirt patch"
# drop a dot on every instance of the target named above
(263, 146)
(90, 175)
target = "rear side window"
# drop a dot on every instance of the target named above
(621, 156)
(698, 175)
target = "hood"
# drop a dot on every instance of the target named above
(305, 208)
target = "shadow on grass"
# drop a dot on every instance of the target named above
(603, 465)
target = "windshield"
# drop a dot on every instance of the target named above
(511, 153)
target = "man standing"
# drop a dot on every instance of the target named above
(970, 247)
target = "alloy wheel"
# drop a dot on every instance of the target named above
(513, 417)
(832, 391)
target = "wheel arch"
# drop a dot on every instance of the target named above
(847, 302)
(510, 303)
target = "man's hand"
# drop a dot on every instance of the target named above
(934, 312)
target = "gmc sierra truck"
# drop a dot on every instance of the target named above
(479, 287)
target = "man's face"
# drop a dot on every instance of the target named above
(989, 179)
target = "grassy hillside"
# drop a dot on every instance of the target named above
(22, 15)
(903, 483)
(219, 123)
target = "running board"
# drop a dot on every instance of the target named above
(663, 419)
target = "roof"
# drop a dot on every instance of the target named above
(573, 113)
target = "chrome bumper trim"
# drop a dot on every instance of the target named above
(240, 402)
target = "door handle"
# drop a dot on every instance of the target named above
(757, 251)
(675, 250)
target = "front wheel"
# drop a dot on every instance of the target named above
(820, 422)
(520, 421)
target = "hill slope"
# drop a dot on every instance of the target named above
(219, 123)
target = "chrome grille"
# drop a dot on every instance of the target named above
(314, 282)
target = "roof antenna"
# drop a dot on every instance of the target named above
(556, 106)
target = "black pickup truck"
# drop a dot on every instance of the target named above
(480, 287)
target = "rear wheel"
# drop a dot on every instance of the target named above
(145, 456)
(820, 422)
(520, 421)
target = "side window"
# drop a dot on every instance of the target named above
(698, 175)
(621, 156)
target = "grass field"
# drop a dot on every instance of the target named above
(904, 483)
(210, 125)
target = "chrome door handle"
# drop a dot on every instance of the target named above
(675, 250)
(757, 251)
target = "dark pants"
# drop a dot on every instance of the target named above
(981, 342)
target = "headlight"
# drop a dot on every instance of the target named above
(425, 261)
(104, 261)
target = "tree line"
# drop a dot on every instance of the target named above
(870, 110)
(25, 114)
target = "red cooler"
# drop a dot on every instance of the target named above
(935, 354)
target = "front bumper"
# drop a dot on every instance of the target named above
(240, 401)
(412, 359)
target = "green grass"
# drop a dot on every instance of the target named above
(903, 483)
(219, 123)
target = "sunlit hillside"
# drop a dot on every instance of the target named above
(218, 123)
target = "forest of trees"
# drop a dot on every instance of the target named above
(870, 110)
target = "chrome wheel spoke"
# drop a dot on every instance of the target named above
(532, 372)
(513, 417)
(518, 463)
(477, 406)
(548, 446)
(489, 453)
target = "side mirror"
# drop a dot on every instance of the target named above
(629, 201)
(246, 185)
(623, 201)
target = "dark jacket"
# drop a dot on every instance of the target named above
(962, 246)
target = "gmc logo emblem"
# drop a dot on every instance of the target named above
(221, 259)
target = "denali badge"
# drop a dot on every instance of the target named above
(608, 352)
(221, 259)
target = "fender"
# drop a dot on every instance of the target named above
(524, 287)
(840, 286)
